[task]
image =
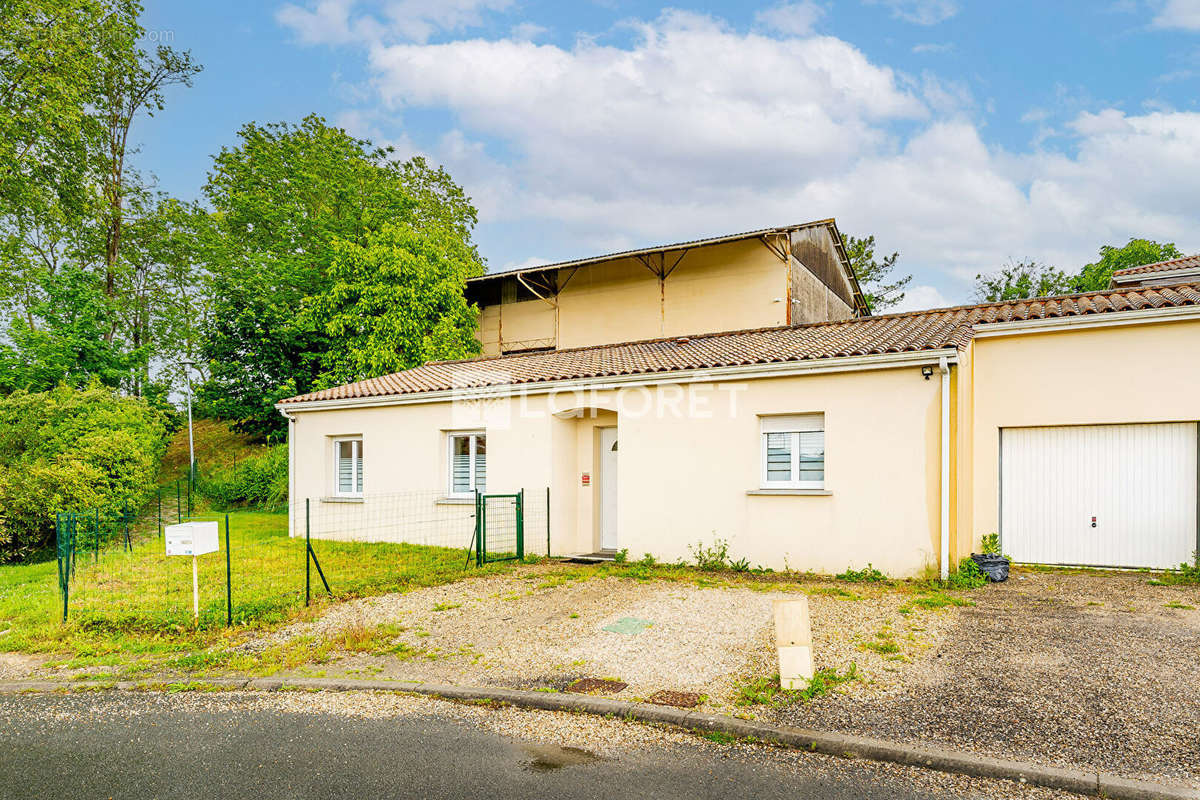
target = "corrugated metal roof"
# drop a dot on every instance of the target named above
(892, 333)
(641, 251)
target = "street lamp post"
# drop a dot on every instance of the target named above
(187, 377)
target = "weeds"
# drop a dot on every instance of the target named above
(711, 559)
(768, 692)
(866, 575)
(1186, 575)
(968, 576)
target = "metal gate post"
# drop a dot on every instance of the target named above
(478, 532)
(307, 552)
(520, 500)
(228, 578)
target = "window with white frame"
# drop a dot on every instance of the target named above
(793, 451)
(348, 467)
(468, 463)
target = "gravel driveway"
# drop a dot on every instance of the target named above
(1095, 670)
(538, 629)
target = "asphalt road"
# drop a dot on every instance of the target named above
(129, 746)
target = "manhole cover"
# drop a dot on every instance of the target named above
(596, 685)
(667, 697)
(630, 626)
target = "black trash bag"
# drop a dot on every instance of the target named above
(995, 567)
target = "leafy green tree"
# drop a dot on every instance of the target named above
(69, 449)
(880, 288)
(73, 81)
(65, 343)
(395, 301)
(286, 201)
(1022, 280)
(1097, 276)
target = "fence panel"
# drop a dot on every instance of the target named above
(113, 568)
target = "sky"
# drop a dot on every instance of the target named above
(963, 134)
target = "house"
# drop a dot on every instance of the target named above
(738, 388)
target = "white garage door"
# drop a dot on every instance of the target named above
(1099, 495)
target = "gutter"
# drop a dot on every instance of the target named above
(944, 561)
(291, 469)
(1141, 316)
(820, 366)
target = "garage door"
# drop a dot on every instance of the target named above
(1100, 495)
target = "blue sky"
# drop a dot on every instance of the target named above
(963, 134)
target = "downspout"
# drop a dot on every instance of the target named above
(291, 472)
(944, 366)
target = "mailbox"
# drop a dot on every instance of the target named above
(191, 538)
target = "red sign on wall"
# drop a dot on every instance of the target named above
(586, 479)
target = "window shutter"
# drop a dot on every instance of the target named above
(788, 423)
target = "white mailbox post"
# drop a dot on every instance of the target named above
(192, 539)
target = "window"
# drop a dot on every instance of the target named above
(793, 452)
(468, 463)
(348, 467)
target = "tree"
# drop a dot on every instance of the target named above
(873, 275)
(395, 302)
(286, 200)
(1022, 280)
(73, 81)
(1138, 252)
(65, 344)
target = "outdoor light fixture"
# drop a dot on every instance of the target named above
(927, 371)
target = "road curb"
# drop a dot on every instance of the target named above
(834, 744)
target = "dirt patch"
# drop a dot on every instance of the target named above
(1092, 669)
(19, 666)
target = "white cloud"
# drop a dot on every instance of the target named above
(335, 21)
(917, 298)
(934, 47)
(792, 19)
(1178, 14)
(695, 128)
(919, 12)
(527, 31)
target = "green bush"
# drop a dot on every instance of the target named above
(72, 450)
(990, 544)
(259, 481)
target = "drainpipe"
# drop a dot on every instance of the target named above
(944, 366)
(291, 472)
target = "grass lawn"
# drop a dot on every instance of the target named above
(126, 606)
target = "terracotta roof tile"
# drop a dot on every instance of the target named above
(935, 329)
(1186, 262)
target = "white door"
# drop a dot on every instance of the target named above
(1099, 495)
(608, 488)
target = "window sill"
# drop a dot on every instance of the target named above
(456, 501)
(343, 499)
(786, 492)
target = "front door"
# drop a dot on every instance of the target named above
(608, 488)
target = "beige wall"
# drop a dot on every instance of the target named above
(715, 288)
(683, 477)
(1088, 376)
